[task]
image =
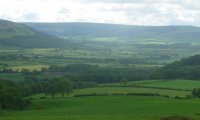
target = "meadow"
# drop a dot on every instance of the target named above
(105, 108)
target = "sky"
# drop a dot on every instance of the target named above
(133, 12)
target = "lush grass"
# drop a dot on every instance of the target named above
(175, 84)
(105, 108)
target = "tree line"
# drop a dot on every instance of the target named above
(187, 68)
(13, 95)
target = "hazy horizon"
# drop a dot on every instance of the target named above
(128, 12)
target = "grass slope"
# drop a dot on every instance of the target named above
(106, 108)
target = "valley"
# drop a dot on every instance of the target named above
(83, 71)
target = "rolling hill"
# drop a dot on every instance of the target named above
(21, 35)
(127, 32)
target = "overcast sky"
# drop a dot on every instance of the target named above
(135, 12)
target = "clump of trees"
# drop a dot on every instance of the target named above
(196, 92)
(11, 97)
(94, 73)
(52, 87)
(58, 86)
(187, 68)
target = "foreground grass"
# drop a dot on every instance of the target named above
(106, 108)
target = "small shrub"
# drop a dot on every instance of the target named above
(43, 97)
(166, 96)
(176, 118)
(104, 94)
(143, 94)
(84, 95)
(117, 94)
(177, 97)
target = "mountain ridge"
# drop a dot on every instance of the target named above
(130, 32)
(20, 35)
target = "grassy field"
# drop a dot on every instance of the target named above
(175, 84)
(168, 84)
(106, 108)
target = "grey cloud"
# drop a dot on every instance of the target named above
(30, 16)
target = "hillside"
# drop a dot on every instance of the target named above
(187, 68)
(20, 35)
(128, 32)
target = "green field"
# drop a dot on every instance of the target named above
(168, 84)
(175, 84)
(106, 108)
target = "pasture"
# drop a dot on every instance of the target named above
(106, 108)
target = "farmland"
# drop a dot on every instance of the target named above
(106, 107)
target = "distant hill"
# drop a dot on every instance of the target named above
(128, 32)
(21, 35)
(187, 68)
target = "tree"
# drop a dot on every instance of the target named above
(64, 86)
(196, 92)
(11, 96)
(124, 81)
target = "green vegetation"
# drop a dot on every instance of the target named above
(113, 91)
(11, 96)
(187, 68)
(106, 107)
(175, 84)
